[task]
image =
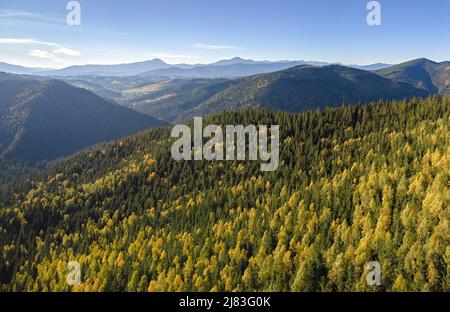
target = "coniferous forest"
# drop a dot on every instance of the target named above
(355, 184)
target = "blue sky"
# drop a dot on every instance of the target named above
(35, 33)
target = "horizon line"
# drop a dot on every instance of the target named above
(222, 59)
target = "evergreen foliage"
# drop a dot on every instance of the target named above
(355, 184)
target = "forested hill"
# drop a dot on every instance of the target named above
(42, 119)
(294, 89)
(306, 87)
(422, 73)
(355, 184)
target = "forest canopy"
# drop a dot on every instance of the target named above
(355, 184)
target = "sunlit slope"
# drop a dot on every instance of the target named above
(355, 184)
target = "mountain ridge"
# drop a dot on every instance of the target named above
(137, 68)
(422, 73)
(37, 125)
(293, 89)
(125, 69)
(18, 69)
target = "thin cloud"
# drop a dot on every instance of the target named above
(41, 54)
(17, 15)
(66, 51)
(58, 49)
(25, 41)
(214, 47)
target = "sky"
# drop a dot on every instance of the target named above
(36, 33)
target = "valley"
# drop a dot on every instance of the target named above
(174, 98)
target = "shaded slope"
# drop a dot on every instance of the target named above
(422, 73)
(42, 120)
(306, 87)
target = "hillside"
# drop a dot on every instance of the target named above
(422, 73)
(307, 87)
(171, 99)
(45, 119)
(355, 184)
(294, 89)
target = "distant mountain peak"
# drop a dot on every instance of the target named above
(155, 60)
(232, 61)
(423, 59)
(237, 58)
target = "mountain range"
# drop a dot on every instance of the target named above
(294, 89)
(109, 70)
(235, 67)
(21, 70)
(42, 119)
